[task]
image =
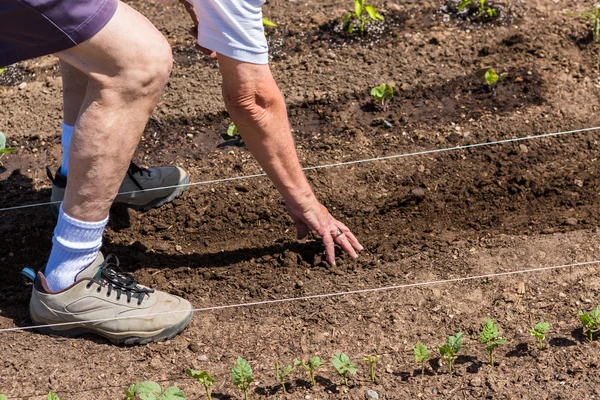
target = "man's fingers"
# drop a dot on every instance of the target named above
(302, 230)
(350, 236)
(329, 248)
(344, 243)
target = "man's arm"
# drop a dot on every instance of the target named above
(256, 106)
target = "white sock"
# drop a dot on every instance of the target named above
(75, 246)
(67, 132)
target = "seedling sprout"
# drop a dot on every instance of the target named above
(383, 93)
(149, 390)
(241, 374)
(484, 10)
(280, 374)
(421, 356)
(594, 16)
(312, 365)
(52, 396)
(539, 331)
(343, 366)
(204, 378)
(590, 321)
(232, 130)
(450, 348)
(3, 149)
(489, 338)
(362, 14)
(371, 360)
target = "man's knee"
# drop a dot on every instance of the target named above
(145, 74)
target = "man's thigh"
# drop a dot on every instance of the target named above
(233, 28)
(33, 28)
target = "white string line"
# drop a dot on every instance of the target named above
(315, 296)
(366, 160)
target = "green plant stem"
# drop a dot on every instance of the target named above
(245, 394)
(312, 378)
(208, 392)
(541, 343)
(371, 370)
(345, 380)
(423, 369)
(283, 387)
(492, 359)
(450, 367)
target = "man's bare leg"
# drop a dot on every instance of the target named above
(127, 64)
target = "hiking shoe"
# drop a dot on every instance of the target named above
(135, 187)
(109, 303)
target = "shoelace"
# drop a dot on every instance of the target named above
(135, 169)
(121, 282)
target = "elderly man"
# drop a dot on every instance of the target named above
(123, 63)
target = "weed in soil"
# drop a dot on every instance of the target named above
(371, 360)
(383, 93)
(360, 17)
(592, 15)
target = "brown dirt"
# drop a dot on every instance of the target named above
(441, 216)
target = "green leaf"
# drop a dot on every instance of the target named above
(268, 22)
(373, 13)
(492, 345)
(232, 130)
(585, 319)
(491, 77)
(8, 150)
(383, 92)
(172, 393)
(358, 7)
(2, 141)
(201, 376)
(347, 18)
(52, 396)
(421, 353)
(491, 12)
(541, 327)
(489, 332)
(342, 364)
(595, 314)
(351, 28)
(463, 4)
(315, 362)
(3, 396)
(1, 71)
(241, 374)
(455, 342)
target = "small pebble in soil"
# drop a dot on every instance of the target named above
(475, 382)
(299, 285)
(571, 221)
(434, 390)
(194, 347)
(371, 394)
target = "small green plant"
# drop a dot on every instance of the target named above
(149, 390)
(52, 396)
(590, 321)
(371, 360)
(242, 377)
(383, 93)
(343, 366)
(594, 16)
(539, 331)
(3, 396)
(232, 130)
(204, 378)
(421, 356)
(3, 149)
(1, 71)
(312, 365)
(268, 22)
(280, 374)
(489, 338)
(449, 350)
(490, 77)
(483, 9)
(362, 15)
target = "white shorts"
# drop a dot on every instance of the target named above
(233, 28)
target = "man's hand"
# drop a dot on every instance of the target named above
(194, 30)
(317, 218)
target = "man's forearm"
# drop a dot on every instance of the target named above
(261, 118)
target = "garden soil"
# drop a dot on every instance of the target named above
(425, 218)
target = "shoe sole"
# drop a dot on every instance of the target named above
(54, 208)
(166, 334)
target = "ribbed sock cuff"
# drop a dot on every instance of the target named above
(74, 235)
(67, 132)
